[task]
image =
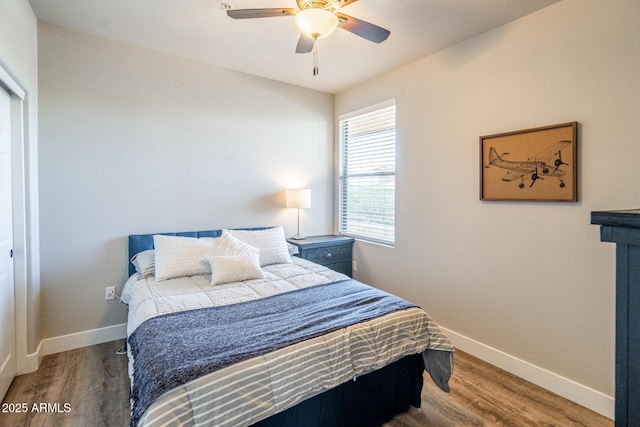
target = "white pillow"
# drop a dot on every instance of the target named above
(178, 256)
(227, 269)
(145, 263)
(227, 245)
(228, 254)
(271, 242)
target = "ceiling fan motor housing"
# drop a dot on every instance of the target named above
(330, 5)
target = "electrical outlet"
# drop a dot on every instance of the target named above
(354, 267)
(109, 292)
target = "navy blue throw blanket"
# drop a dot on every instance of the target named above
(173, 349)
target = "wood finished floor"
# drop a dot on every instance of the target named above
(94, 382)
(484, 395)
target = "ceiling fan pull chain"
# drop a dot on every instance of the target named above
(315, 58)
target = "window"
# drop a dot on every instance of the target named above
(367, 200)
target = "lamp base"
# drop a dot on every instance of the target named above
(298, 237)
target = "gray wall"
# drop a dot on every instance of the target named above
(133, 141)
(532, 280)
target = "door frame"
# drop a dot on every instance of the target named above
(22, 251)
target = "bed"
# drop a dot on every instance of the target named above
(229, 328)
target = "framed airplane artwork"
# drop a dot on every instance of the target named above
(532, 165)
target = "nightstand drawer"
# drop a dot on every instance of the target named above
(343, 267)
(329, 254)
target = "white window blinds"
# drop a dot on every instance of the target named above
(368, 173)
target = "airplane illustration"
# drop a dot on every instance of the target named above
(542, 165)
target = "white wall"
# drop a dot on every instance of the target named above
(19, 58)
(532, 280)
(134, 141)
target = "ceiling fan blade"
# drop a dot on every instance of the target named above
(260, 13)
(305, 44)
(344, 3)
(362, 28)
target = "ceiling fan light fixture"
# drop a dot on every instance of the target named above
(316, 23)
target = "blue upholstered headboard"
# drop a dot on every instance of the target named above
(142, 242)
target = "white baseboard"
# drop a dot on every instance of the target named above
(71, 342)
(569, 389)
(32, 361)
(83, 339)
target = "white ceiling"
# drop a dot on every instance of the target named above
(200, 30)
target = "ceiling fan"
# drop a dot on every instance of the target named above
(317, 19)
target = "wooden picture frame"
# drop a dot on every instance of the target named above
(532, 165)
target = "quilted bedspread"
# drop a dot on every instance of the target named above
(258, 387)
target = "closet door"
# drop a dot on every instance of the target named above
(7, 317)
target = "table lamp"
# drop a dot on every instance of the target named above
(299, 198)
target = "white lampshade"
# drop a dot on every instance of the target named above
(299, 198)
(316, 23)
